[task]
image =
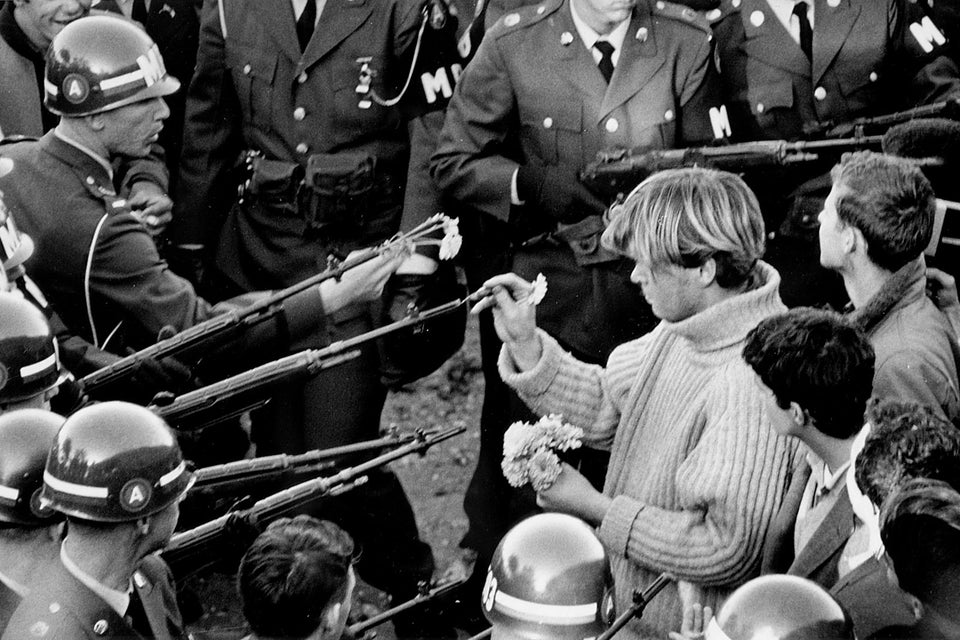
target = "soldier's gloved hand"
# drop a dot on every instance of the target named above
(556, 190)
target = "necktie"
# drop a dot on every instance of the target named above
(139, 11)
(306, 22)
(806, 32)
(606, 58)
(137, 616)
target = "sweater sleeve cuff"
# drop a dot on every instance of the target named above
(535, 381)
(618, 523)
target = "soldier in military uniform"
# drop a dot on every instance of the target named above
(29, 534)
(276, 88)
(536, 103)
(788, 67)
(115, 471)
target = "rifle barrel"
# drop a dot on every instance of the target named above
(384, 616)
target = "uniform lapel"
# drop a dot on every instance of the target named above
(832, 25)
(640, 59)
(765, 39)
(829, 537)
(281, 23)
(339, 19)
(576, 64)
(152, 606)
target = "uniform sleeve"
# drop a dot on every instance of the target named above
(703, 116)
(470, 164)
(728, 488)
(588, 396)
(921, 55)
(211, 139)
(152, 168)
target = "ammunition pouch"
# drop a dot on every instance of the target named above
(338, 190)
(583, 238)
(273, 181)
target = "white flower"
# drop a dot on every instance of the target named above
(518, 440)
(529, 450)
(452, 240)
(543, 469)
(538, 290)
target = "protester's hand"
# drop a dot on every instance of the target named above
(362, 283)
(696, 617)
(151, 206)
(513, 317)
(572, 493)
(942, 288)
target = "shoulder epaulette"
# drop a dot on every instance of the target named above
(524, 17)
(680, 13)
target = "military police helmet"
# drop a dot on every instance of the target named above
(114, 462)
(25, 438)
(29, 361)
(779, 607)
(101, 62)
(549, 579)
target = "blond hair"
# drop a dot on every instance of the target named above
(686, 216)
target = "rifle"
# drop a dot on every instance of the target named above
(640, 601)
(233, 477)
(225, 399)
(232, 323)
(191, 551)
(359, 629)
(878, 125)
(619, 170)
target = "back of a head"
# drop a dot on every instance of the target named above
(687, 216)
(925, 140)
(549, 579)
(818, 360)
(920, 528)
(25, 439)
(890, 201)
(780, 607)
(907, 441)
(294, 571)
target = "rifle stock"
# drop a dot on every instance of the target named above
(619, 171)
(191, 551)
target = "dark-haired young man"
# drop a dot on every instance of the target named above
(874, 227)
(297, 580)
(819, 369)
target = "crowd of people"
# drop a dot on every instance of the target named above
(763, 364)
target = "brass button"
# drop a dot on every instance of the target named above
(820, 93)
(299, 114)
(302, 147)
(246, 69)
(612, 125)
(302, 77)
(547, 122)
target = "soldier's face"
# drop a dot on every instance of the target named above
(604, 15)
(131, 129)
(41, 20)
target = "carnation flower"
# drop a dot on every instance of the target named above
(452, 240)
(530, 450)
(543, 469)
(537, 291)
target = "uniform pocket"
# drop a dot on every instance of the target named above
(553, 133)
(253, 74)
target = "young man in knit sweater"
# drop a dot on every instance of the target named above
(696, 473)
(875, 224)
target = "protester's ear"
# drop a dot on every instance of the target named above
(708, 272)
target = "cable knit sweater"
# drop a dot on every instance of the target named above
(696, 472)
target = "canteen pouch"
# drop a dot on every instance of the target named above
(338, 190)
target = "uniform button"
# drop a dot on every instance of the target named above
(547, 122)
(668, 115)
(873, 76)
(820, 93)
(541, 9)
(299, 114)
(612, 125)
(90, 180)
(302, 77)
(54, 607)
(736, 4)
(246, 69)
(661, 6)
(760, 107)
(302, 147)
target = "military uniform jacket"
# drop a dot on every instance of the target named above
(869, 58)
(254, 89)
(96, 263)
(9, 600)
(60, 607)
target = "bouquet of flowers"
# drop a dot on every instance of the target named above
(530, 451)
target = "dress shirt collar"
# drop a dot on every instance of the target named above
(119, 601)
(590, 37)
(783, 9)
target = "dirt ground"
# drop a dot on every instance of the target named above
(435, 482)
